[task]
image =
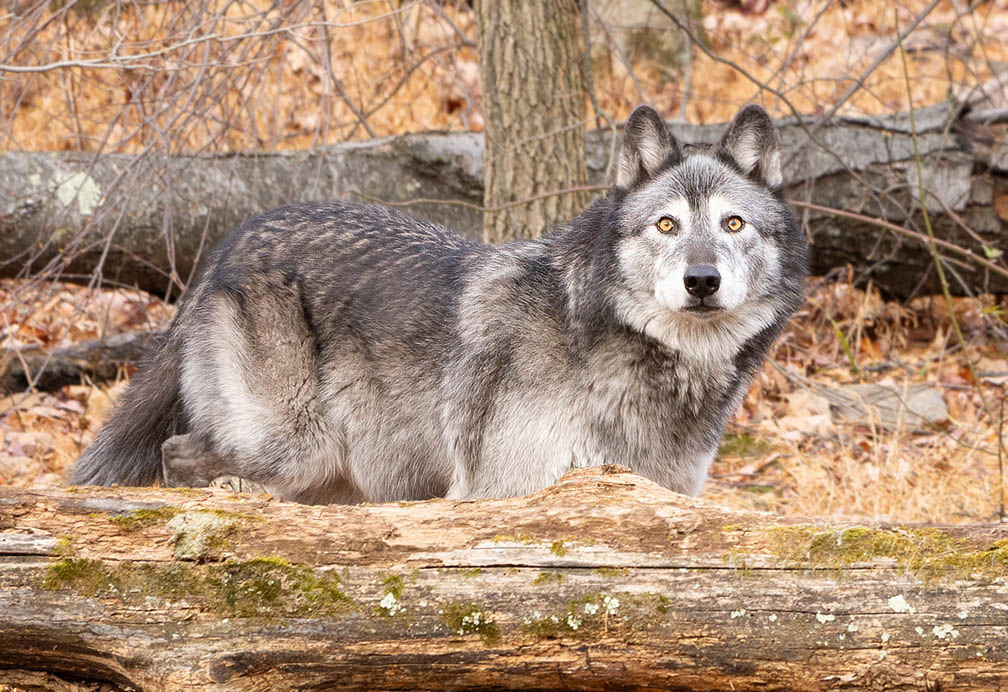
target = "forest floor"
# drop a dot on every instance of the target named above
(787, 449)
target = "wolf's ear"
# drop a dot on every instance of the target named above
(647, 144)
(752, 140)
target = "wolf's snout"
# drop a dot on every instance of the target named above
(702, 280)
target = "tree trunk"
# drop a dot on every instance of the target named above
(146, 221)
(534, 107)
(603, 581)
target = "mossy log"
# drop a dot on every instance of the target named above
(603, 581)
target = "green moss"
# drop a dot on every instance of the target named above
(391, 605)
(732, 528)
(559, 549)
(593, 614)
(63, 548)
(468, 618)
(743, 445)
(86, 575)
(546, 578)
(610, 572)
(583, 618)
(513, 538)
(662, 603)
(137, 519)
(201, 535)
(260, 587)
(549, 627)
(472, 573)
(393, 584)
(928, 553)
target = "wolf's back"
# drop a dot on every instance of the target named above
(127, 450)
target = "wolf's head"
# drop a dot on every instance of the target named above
(708, 253)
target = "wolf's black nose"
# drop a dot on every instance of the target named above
(702, 280)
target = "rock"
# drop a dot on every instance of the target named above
(914, 406)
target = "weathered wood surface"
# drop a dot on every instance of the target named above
(168, 211)
(604, 581)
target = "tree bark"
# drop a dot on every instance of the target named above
(150, 217)
(603, 581)
(534, 107)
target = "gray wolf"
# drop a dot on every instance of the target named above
(343, 353)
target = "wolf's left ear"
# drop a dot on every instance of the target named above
(752, 140)
(647, 144)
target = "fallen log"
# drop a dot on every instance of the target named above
(604, 581)
(147, 221)
(99, 359)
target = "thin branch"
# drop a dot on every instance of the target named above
(114, 61)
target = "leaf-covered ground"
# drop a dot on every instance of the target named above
(787, 449)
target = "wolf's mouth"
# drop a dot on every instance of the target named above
(702, 309)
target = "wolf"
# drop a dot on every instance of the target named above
(342, 353)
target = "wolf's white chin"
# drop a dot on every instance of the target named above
(707, 339)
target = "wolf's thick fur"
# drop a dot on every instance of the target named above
(341, 353)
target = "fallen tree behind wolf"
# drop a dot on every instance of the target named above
(342, 353)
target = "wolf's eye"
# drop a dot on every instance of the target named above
(666, 224)
(734, 224)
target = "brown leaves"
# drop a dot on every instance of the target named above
(41, 434)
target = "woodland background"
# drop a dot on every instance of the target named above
(242, 80)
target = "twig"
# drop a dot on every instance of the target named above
(114, 61)
(589, 84)
(859, 82)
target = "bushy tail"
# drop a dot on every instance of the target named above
(127, 450)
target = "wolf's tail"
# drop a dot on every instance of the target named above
(127, 450)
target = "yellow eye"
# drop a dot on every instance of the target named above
(666, 225)
(734, 224)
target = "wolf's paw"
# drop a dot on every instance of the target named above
(186, 462)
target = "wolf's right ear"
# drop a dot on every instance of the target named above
(647, 144)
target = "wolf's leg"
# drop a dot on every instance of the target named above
(250, 384)
(187, 461)
(338, 491)
(472, 384)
